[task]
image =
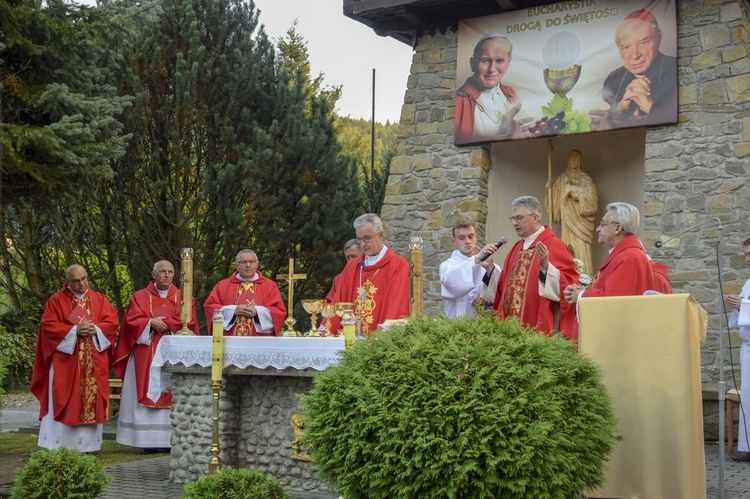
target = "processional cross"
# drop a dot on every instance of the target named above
(290, 278)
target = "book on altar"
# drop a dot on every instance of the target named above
(162, 311)
(79, 315)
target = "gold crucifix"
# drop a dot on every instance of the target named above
(290, 278)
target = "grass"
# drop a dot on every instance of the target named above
(24, 444)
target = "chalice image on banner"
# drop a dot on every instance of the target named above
(560, 52)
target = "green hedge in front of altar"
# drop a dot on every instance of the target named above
(469, 408)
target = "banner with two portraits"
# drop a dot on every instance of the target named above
(570, 67)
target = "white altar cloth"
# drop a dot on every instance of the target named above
(242, 351)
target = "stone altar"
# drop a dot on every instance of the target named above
(262, 384)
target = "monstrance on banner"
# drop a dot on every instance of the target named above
(570, 67)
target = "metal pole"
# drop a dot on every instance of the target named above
(722, 385)
(372, 131)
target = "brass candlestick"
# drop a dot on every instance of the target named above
(417, 277)
(217, 364)
(186, 290)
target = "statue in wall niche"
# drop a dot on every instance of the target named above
(572, 202)
(298, 425)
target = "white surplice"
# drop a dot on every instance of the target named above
(461, 283)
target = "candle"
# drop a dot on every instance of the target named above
(217, 352)
(348, 334)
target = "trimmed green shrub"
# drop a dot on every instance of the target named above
(231, 483)
(60, 473)
(470, 408)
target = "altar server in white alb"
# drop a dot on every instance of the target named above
(464, 278)
(153, 312)
(740, 305)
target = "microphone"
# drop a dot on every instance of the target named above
(502, 241)
(659, 244)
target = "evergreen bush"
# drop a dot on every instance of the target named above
(469, 408)
(60, 473)
(231, 483)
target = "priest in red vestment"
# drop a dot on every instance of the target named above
(351, 251)
(536, 271)
(627, 270)
(71, 367)
(250, 303)
(377, 281)
(153, 312)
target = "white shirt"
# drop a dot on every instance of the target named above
(461, 284)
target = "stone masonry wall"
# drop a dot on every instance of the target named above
(254, 426)
(695, 170)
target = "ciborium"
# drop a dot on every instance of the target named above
(313, 307)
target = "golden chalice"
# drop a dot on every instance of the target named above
(562, 81)
(328, 311)
(313, 308)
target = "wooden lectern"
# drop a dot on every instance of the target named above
(649, 350)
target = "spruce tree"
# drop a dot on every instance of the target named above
(228, 152)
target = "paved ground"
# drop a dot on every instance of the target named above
(150, 477)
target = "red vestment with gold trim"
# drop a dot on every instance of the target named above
(518, 289)
(385, 286)
(80, 386)
(265, 294)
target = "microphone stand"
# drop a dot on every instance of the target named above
(722, 385)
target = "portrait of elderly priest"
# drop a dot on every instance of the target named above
(485, 108)
(643, 90)
(250, 303)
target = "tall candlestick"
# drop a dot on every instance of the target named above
(186, 289)
(217, 352)
(417, 277)
(217, 363)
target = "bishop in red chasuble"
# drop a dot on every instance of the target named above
(250, 303)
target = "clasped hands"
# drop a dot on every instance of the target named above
(245, 311)
(86, 329)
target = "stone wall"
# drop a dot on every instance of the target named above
(694, 170)
(254, 425)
